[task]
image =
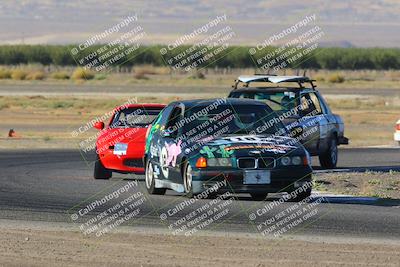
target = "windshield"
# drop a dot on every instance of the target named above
(134, 117)
(234, 119)
(277, 101)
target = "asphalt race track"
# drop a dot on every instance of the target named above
(51, 185)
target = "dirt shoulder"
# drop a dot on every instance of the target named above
(63, 246)
(369, 184)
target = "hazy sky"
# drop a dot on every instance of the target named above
(345, 22)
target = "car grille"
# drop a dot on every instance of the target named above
(256, 163)
(137, 163)
(266, 163)
(247, 163)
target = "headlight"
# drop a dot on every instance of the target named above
(296, 160)
(285, 161)
(120, 149)
(219, 162)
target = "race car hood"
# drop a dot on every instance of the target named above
(249, 145)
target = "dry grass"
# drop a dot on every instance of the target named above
(363, 127)
(5, 73)
(82, 74)
(368, 120)
(372, 184)
(140, 75)
(36, 75)
(148, 74)
(60, 75)
(336, 78)
(151, 70)
(18, 74)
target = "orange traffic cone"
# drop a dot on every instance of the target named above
(12, 133)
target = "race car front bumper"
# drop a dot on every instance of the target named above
(281, 180)
(343, 140)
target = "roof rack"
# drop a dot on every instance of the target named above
(268, 78)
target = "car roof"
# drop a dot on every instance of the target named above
(222, 101)
(275, 79)
(272, 78)
(141, 105)
(273, 89)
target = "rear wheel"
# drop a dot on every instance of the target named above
(328, 160)
(258, 196)
(188, 179)
(100, 172)
(150, 181)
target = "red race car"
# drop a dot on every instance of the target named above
(120, 145)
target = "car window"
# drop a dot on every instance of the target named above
(316, 103)
(134, 117)
(310, 104)
(277, 101)
(238, 119)
(165, 115)
(173, 119)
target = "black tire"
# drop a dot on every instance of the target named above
(187, 181)
(150, 182)
(258, 196)
(100, 172)
(301, 196)
(328, 160)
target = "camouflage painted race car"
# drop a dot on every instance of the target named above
(196, 145)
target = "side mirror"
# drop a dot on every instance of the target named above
(99, 125)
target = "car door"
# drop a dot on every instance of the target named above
(155, 139)
(311, 115)
(170, 146)
(328, 125)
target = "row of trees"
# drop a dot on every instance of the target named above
(235, 57)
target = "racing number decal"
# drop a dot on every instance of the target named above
(163, 161)
(168, 156)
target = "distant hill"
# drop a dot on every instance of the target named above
(346, 23)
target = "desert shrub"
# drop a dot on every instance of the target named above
(146, 69)
(61, 104)
(100, 77)
(18, 74)
(60, 75)
(198, 75)
(140, 75)
(319, 78)
(5, 73)
(82, 74)
(336, 78)
(35, 75)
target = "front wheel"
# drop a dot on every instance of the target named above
(100, 172)
(329, 159)
(150, 181)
